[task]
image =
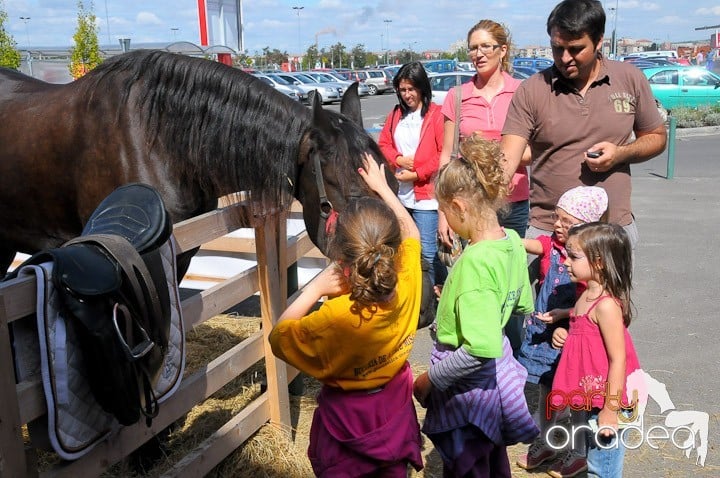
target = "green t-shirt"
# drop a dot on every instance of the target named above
(486, 285)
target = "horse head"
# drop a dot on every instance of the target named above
(331, 152)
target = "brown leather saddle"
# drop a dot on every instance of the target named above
(115, 294)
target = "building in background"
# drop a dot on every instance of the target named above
(221, 24)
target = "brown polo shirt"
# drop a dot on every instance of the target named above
(560, 125)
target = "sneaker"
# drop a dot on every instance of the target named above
(537, 454)
(572, 464)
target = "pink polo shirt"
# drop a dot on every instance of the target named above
(477, 115)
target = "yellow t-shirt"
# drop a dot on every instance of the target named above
(351, 350)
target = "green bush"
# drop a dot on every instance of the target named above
(696, 117)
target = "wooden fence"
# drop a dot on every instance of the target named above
(24, 402)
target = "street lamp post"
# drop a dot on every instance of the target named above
(614, 35)
(27, 32)
(107, 22)
(410, 47)
(174, 31)
(297, 10)
(387, 39)
(382, 49)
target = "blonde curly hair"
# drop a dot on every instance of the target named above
(477, 176)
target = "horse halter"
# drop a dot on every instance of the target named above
(327, 212)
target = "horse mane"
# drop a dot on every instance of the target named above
(221, 126)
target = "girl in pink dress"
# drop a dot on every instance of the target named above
(598, 354)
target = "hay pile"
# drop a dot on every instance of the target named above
(269, 453)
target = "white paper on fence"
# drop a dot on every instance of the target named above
(208, 268)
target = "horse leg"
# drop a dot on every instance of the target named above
(6, 257)
(183, 262)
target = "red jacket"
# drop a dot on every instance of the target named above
(427, 155)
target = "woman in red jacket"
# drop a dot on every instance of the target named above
(411, 141)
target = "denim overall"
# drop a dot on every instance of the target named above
(537, 354)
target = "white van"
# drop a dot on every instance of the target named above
(645, 54)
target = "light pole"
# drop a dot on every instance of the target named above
(297, 10)
(614, 35)
(387, 38)
(27, 31)
(107, 22)
(174, 31)
(410, 47)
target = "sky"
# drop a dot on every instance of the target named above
(413, 24)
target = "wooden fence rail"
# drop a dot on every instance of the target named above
(24, 402)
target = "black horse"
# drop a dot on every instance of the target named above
(192, 128)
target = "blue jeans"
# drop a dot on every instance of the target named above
(516, 217)
(604, 459)
(427, 223)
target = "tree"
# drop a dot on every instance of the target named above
(311, 56)
(243, 60)
(271, 59)
(338, 56)
(9, 55)
(361, 58)
(405, 56)
(85, 55)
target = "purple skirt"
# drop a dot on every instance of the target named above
(493, 400)
(366, 433)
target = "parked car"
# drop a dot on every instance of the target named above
(655, 60)
(676, 86)
(440, 83)
(439, 66)
(282, 86)
(376, 80)
(363, 89)
(537, 64)
(328, 94)
(326, 78)
(525, 70)
(391, 71)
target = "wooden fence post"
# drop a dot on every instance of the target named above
(271, 242)
(12, 454)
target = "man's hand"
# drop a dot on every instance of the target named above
(607, 159)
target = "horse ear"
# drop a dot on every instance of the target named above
(320, 119)
(311, 98)
(350, 105)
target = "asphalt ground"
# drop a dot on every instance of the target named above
(676, 328)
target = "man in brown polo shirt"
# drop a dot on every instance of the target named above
(583, 103)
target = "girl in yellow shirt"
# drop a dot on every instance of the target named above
(357, 343)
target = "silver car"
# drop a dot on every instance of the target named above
(440, 83)
(326, 77)
(327, 94)
(282, 86)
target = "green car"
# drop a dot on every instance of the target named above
(686, 86)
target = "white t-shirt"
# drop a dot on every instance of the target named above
(407, 139)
